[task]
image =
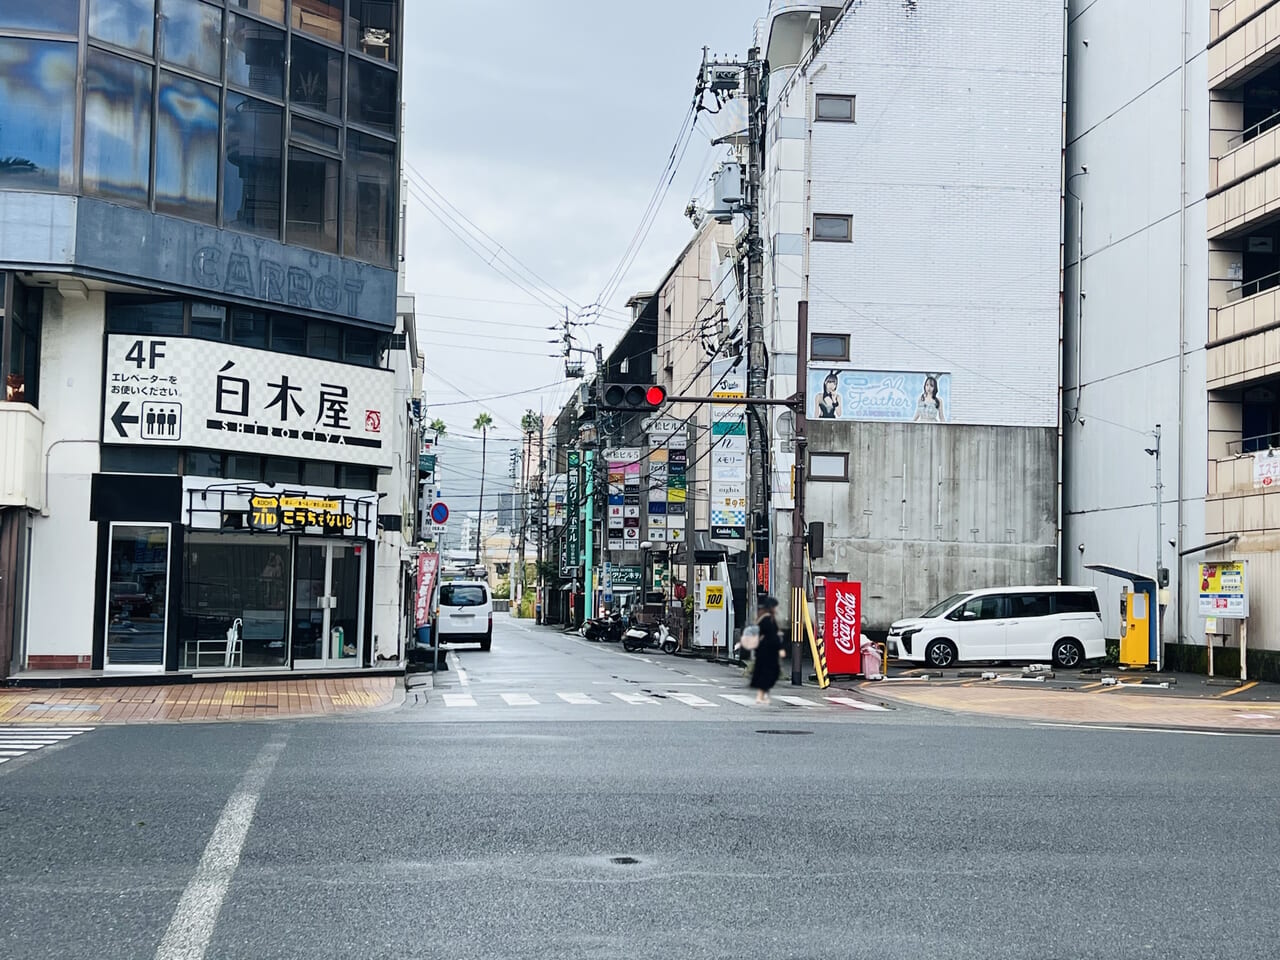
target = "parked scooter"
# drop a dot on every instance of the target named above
(643, 636)
(608, 628)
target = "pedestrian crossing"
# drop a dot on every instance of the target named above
(18, 741)
(649, 698)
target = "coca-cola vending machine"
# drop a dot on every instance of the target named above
(842, 627)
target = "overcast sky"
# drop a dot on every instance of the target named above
(545, 125)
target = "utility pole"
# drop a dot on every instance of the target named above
(540, 518)
(1160, 574)
(797, 514)
(757, 488)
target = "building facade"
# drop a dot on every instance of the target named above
(208, 372)
(912, 191)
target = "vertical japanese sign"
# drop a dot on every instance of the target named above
(728, 456)
(843, 627)
(428, 564)
(573, 507)
(623, 471)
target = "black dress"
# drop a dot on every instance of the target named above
(765, 668)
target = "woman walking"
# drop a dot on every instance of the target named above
(766, 668)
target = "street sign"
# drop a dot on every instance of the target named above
(1224, 591)
(439, 513)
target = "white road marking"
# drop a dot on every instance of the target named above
(191, 928)
(13, 753)
(1117, 729)
(691, 699)
(519, 700)
(17, 741)
(459, 700)
(578, 699)
(740, 698)
(634, 698)
(858, 704)
(796, 701)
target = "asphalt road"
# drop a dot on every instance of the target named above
(450, 832)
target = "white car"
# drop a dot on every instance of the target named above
(464, 613)
(1058, 625)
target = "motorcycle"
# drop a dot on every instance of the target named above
(643, 636)
(608, 628)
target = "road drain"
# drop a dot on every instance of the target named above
(786, 733)
(624, 861)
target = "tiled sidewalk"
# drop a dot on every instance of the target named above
(198, 701)
(1100, 706)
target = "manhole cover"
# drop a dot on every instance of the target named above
(624, 861)
(786, 733)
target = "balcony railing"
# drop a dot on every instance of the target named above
(1258, 444)
(1253, 287)
(1262, 126)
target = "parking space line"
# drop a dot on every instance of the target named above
(1241, 689)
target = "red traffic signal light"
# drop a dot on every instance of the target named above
(655, 396)
(633, 396)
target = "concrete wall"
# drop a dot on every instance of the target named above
(980, 506)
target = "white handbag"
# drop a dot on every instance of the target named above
(750, 638)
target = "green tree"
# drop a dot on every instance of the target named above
(483, 423)
(437, 426)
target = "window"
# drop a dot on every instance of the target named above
(357, 478)
(360, 346)
(137, 595)
(187, 149)
(203, 463)
(37, 114)
(320, 18)
(229, 578)
(371, 96)
(22, 375)
(324, 340)
(249, 328)
(320, 134)
(139, 460)
(373, 26)
(274, 9)
(833, 227)
(126, 23)
(462, 595)
(53, 16)
(980, 608)
(829, 346)
(281, 470)
(315, 77)
(313, 201)
(288, 334)
(370, 198)
(316, 474)
(834, 107)
(117, 127)
(208, 321)
(242, 466)
(255, 56)
(144, 315)
(1076, 601)
(251, 165)
(828, 466)
(1030, 605)
(191, 36)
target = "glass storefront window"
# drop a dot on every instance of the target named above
(137, 595)
(369, 214)
(315, 77)
(117, 127)
(187, 149)
(320, 18)
(371, 95)
(251, 165)
(22, 379)
(373, 28)
(191, 36)
(263, 8)
(126, 23)
(255, 56)
(312, 218)
(229, 579)
(37, 114)
(54, 16)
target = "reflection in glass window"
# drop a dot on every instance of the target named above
(315, 77)
(137, 595)
(230, 578)
(324, 340)
(208, 321)
(117, 127)
(249, 328)
(147, 315)
(187, 149)
(55, 16)
(255, 56)
(126, 23)
(243, 466)
(373, 23)
(360, 346)
(313, 201)
(370, 198)
(251, 165)
(288, 334)
(202, 463)
(37, 114)
(191, 35)
(320, 18)
(371, 98)
(320, 134)
(317, 474)
(263, 8)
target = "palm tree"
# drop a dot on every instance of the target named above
(437, 426)
(483, 423)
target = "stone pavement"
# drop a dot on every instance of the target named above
(199, 702)
(1092, 704)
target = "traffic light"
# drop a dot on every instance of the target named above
(634, 396)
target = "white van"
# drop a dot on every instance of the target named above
(1058, 625)
(464, 613)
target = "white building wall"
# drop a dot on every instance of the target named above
(1145, 278)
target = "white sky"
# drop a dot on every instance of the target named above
(546, 125)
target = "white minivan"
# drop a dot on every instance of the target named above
(1058, 625)
(464, 613)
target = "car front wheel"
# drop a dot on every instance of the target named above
(1068, 653)
(941, 654)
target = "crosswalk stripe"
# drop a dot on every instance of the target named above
(459, 700)
(739, 698)
(691, 699)
(23, 728)
(797, 701)
(578, 699)
(858, 704)
(634, 698)
(519, 700)
(13, 753)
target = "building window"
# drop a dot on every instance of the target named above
(126, 23)
(360, 347)
(139, 460)
(834, 107)
(312, 218)
(315, 77)
(288, 334)
(117, 127)
(829, 466)
(833, 227)
(208, 321)
(187, 149)
(324, 340)
(273, 9)
(229, 578)
(37, 114)
(22, 372)
(150, 316)
(51, 16)
(320, 18)
(249, 328)
(255, 56)
(369, 213)
(371, 96)
(251, 166)
(829, 346)
(311, 131)
(191, 36)
(137, 595)
(373, 28)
